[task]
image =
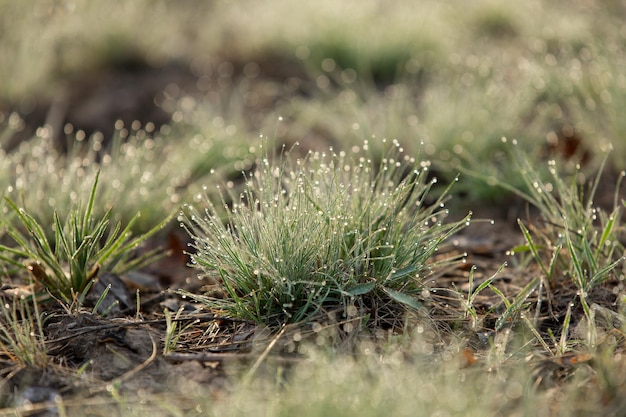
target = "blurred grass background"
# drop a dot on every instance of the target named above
(453, 76)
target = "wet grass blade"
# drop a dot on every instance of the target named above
(533, 249)
(517, 304)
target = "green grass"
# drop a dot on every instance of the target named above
(67, 267)
(328, 230)
(22, 339)
(576, 243)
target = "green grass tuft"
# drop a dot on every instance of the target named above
(21, 333)
(68, 266)
(576, 243)
(325, 231)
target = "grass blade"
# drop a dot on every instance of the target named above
(403, 298)
(533, 248)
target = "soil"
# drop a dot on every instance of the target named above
(122, 348)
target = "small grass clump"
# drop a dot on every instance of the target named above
(575, 243)
(325, 231)
(67, 267)
(21, 334)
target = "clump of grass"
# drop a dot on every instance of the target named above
(576, 244)
(329, 230)
(21, 333)
(67, 267)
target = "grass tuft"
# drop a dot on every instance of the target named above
(575, 242)
(21, 334)
(328, 230)
(67, 267)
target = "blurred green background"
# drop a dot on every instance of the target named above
(203, 79)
